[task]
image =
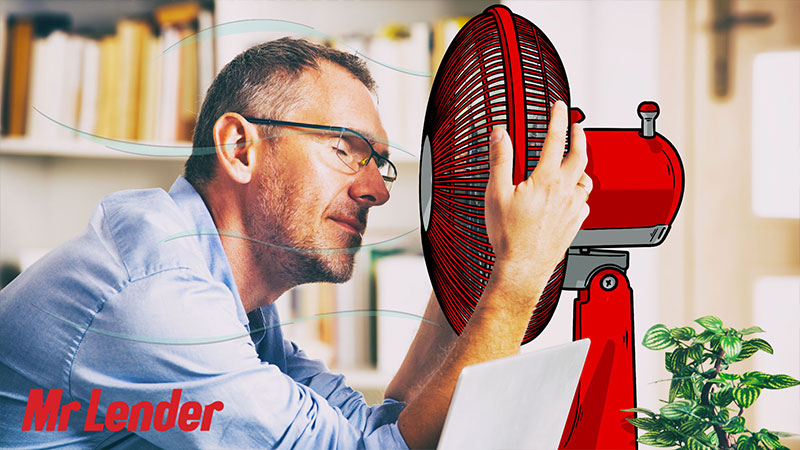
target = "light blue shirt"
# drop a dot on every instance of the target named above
(126, 309)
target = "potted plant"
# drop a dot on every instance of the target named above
(706, 401)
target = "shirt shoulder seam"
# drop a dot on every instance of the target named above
(119, 252)
(103, 300)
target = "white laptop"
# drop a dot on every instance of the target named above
(518, 402)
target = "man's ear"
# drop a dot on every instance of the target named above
(237, 143)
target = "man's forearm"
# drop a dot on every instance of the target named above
(434, 339)
(495, 330)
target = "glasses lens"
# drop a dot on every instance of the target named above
(356, 153)
(387, 170)
(353, 151)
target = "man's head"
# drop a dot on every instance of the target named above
(285, 186)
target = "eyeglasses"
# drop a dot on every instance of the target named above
(351, 147)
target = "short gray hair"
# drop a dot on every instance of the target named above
(258, 82)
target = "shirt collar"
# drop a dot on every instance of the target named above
(207, 237)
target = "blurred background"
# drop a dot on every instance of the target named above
(725, 73)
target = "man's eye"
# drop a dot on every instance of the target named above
(341, 151)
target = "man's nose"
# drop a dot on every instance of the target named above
(369, 187)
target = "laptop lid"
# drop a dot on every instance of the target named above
(517, 402)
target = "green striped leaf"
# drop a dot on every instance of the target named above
(676, 409)
(731, 345)
(657, 338)
(723, 397)
(711, 438)
(704, 411)
(723, 415)
(761, 345)
(687, 389)
(729, 376)
(652, 438)
(695, 352)
(745, 395)
(734, 426)
(780, 382)
(748, 349)
(767, 438)
(674, 389)
(641, 411)
(704, 337)
(692, 427)
(695, 444)
(646, 424)
(755, 378)
(682, 333)
(698, 384)
(676, 360)
(746, 443)
(751, 330)
(710, 323)
(667, 438)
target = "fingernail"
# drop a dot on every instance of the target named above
(497, 136)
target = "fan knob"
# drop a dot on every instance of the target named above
(648, 111)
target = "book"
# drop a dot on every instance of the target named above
(187, 93)
(130, 41)
(54, 86)
(90, 80)
(20, 50)
(444, 31)
(206, 56)
(150, 87)
(69, 105)
(106, 105)
(169, 81)
(3, 66)
(179, 21)
(400, 63)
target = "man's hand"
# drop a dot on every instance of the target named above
(531, 225)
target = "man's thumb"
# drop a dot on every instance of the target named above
(501, 158)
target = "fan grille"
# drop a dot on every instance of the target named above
(499, 70)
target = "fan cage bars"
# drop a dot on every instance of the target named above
(470, 96)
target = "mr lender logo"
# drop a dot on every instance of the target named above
(45, 414)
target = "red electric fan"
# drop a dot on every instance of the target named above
(500, 69)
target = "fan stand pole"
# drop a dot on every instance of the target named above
(603, 312)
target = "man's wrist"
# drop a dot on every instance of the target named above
(519, 280)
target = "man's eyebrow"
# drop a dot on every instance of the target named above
(374, 139)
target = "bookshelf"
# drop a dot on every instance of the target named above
(77, 148)
(50, 184)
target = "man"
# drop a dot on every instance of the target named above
(166, 299)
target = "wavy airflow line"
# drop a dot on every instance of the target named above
(322, 251)
(230, 337)
(272, 25)
(158, 150)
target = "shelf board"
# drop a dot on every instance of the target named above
(74, 148)
(81, 148)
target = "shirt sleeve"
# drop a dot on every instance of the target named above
(175, 332)
(314, 374)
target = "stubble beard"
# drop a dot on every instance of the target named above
(291, 245)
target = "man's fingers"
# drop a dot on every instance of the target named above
(575, 162)
(587, 183)
(553, 148)
(501, 160)
(585, 186)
